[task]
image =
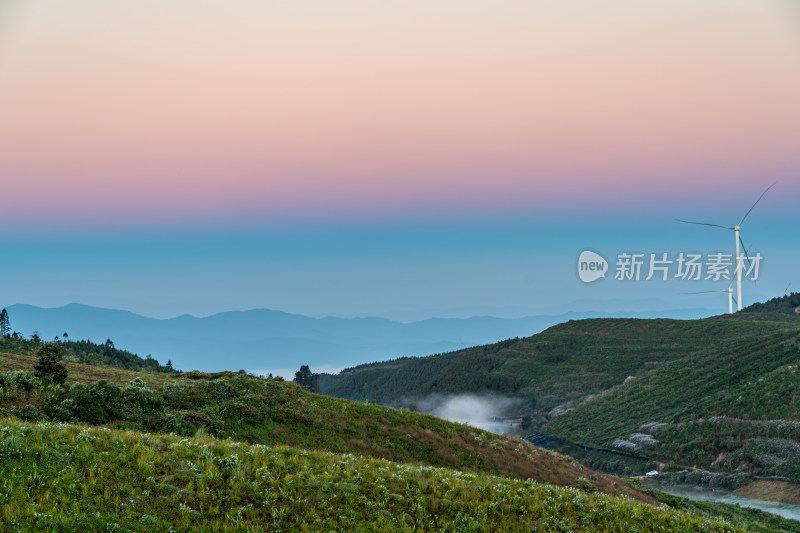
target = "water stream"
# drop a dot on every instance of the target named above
(723, 496)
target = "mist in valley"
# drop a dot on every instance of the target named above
(474, 410)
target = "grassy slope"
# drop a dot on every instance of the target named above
(563, 363)
(273, 412)
(52, 469)
(733, 406)
(88, 373)
(59, 477)
(313, 421)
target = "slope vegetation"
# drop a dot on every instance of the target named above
(785, 308)
(730, 408)
(73, 478)
(274, 412)
(88, 373)
(564, 363)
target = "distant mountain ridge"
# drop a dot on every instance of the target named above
(268, 340)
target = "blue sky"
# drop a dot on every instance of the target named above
(510, 266)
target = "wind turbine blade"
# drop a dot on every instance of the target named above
(704, 224)
(744, 248)
(705, 292)
(759, 199)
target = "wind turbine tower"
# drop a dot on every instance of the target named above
(729, 290)
(737, 241)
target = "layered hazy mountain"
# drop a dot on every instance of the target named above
(263, 340)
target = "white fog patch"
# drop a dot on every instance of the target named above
(484, 412)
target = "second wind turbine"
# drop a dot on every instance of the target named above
(738, 241)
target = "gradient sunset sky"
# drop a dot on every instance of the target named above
(402, 159)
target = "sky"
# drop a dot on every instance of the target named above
(400, 159)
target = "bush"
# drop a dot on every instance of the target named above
(27, 412)
(139, 399)
(96, 403)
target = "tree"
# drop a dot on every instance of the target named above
(304, 377)
(51, 365)
(5, 326)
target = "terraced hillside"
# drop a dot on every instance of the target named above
(733, 408)
(564, 363)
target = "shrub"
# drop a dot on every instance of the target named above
(96, 403)
(21, 380)
(27, 412)
(140, 399)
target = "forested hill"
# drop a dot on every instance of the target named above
(564, 363)
(782, 308)
(85, 352)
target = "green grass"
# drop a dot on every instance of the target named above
(59, 477)
(274, 412)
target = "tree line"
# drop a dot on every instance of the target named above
(78, 351)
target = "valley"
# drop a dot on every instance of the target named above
(711, 403)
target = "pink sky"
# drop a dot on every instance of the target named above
(210, 108)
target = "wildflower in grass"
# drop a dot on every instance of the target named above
(228, 463)
(85, 436)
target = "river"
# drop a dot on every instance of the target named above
(723, 496)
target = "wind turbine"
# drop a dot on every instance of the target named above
(738, 240)
(729, 290)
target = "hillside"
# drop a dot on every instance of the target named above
(400, 470)
(732, 408)
(86, 373)
(85, 352)
(564, 363)
(64, 474)
(274, 412)
(784, 308)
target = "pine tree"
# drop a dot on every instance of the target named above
(304, 377)
(5, 326)
(51, 365)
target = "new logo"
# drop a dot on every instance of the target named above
(591, 266)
